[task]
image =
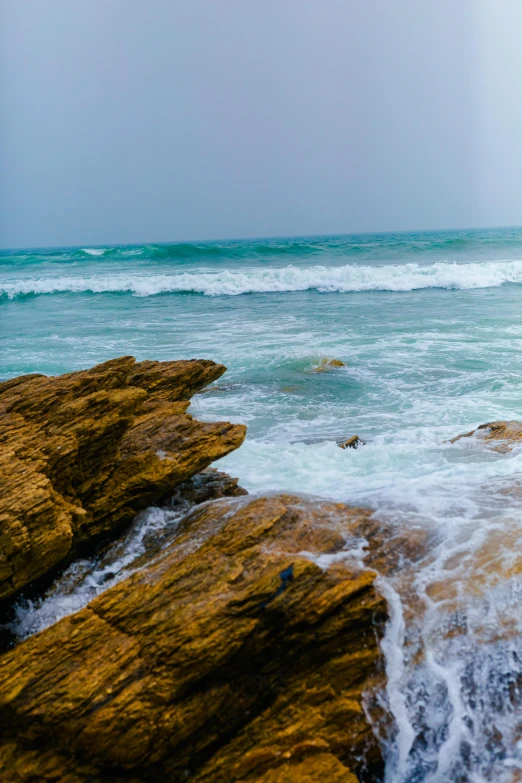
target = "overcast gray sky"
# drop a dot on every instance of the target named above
(158, 120)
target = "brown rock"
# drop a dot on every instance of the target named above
(81, 453)
(210, 484)
(316, 769)
(233, 656)
(500, 436)
(352, 443)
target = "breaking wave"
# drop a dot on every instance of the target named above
(343, 279)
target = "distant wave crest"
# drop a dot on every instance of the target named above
(94, 251)
(343, 279)
(193, 251)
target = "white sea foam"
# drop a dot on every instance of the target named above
(393, 649)
(343, 279)
(94, 251)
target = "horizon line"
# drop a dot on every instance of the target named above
(108, 245)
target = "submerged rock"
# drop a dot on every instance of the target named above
(235, 655)
(221, 387)
(328, 364)
(82, 453)
(500, 436)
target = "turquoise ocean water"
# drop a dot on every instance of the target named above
(430, 327)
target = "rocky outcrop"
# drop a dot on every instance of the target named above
(499, 436)
(81, 453)
(235, 655)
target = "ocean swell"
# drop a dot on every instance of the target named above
(341, 279)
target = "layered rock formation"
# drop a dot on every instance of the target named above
(81, 453)
(499, 436)
(235, 655)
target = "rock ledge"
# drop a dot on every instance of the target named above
(81, 453)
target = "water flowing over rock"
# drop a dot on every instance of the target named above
(234, 655)
(500, 436)
(82, 453)
(328, 364)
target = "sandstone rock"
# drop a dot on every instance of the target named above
(81, 453)
(236, 655)
(316, 769)
(352, 443)
(500, 436)
(328, 364)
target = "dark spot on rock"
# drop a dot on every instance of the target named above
(286, 576)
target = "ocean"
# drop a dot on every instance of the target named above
(429, 327)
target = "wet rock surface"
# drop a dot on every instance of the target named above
(351, 443)
(234, 655)
(210, 484)
(81, 454)
(499, 436)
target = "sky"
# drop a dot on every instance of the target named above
(127, 121)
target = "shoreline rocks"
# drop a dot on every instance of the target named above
(244, 642)
(82, 453)
(234, 655)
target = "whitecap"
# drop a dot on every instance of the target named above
(94, 251)
(343, 279)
